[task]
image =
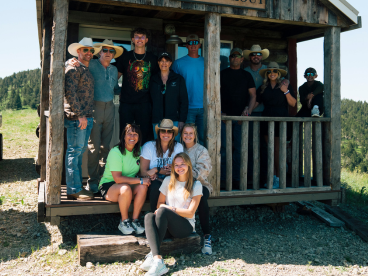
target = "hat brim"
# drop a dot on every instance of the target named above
(119, 50)
(72, 49)
(175, 129)
(265, 53)
(263, 71)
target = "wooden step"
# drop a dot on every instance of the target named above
(110, 248)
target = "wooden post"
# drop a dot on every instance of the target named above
(307, 153)
(282, 155)
(44, 93)
(211, 97)
(256, 155)
(293, 70)
(244, 156)
(317, 170)
(271, 154)
(56, 102)
(301, 143)
(332, 83)
(229, 155)
(295, 156)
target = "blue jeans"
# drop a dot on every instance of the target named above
(177, 138)
(195, 116)
(77, 141)
(236, 132)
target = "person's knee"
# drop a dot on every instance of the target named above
(148, 218)
(142, 189)
(125, 190)
(162, 212)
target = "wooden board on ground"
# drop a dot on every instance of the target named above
(322, 215)
(109, 248)
(358, 227)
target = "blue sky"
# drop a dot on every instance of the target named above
(19, 27)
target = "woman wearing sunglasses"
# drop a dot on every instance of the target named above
(157, 156)
(169, 95)
(276, 95)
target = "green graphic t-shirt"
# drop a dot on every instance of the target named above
(127, 164)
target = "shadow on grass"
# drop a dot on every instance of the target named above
(13, 170)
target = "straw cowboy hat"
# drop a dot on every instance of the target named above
(85, 42)
(167, 124)
(257, 49)
(270, 66)
(109, 43)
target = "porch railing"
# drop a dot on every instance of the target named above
(307, 142)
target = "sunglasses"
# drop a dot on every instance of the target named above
(256, 54)
(86, 50)
(112, 51)
(193, 42)
(140, 68)
(235, 56)
(272, 71)
(166, 131)
(163, 89)
(139, 37)
(310, 74)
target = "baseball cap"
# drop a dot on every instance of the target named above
(192, 37)
(237, 50)
(164, 55)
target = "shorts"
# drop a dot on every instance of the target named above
(105, 187)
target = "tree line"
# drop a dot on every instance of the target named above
(20, 90)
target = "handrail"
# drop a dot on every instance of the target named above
(275, 119)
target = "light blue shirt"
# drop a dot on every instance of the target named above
(106, 81)
(258, 81)
(192, 70)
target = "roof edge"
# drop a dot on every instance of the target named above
(347, 9)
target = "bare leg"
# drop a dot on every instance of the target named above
(277, 151)
(121, 193)
(139, 194)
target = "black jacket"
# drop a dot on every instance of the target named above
(173, 104)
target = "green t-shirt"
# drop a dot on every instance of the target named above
(127, 164)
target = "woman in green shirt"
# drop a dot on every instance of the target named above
(120, 183)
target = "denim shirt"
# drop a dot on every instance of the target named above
(106, 81)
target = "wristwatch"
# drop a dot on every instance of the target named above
(141, 181)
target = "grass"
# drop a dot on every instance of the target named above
(356, 185)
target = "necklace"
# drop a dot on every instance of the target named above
(139, 59)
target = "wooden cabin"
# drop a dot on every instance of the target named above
(277, 25)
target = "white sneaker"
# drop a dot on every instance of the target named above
(158, 268)
(207, 248)
(138, 228)
(125, 227)
(148, 262)
(315, 111)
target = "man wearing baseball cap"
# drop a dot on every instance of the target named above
(238, 97)
(191, 67)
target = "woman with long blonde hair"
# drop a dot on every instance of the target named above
(179, 198)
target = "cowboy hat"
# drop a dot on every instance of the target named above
(257, 49)
(273, 65)
(85, 42)
(109, 43)
(167, 124)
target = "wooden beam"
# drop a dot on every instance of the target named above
(293, 71)
(229, 156)
(256, 155)
(332, 84)
(211, 97)
(307, 153)
(56, 102)
(301, 151)
(244, 156)
(282, 155)
(275, 119)
(295, 156)
(317, 170)
(270, 154)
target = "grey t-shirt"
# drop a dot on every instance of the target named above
(258, 81)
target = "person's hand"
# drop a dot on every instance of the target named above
(152, 172)
(74, 62)
(165, 170)
(310, 103)
(284, 85)
(245, 111)
(82, 122)
(310, 96)
(146, 181)
(180, 126)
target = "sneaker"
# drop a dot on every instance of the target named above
(315, 111)
(148, 262)
(207, 248)
(126, 227)
(158, 268)
(81, 195)
(138, 228)
(276, 182)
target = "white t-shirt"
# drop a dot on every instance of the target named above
(175, 197)
(149, 153)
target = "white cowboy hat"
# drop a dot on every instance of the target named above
(270, 66)
(85, 42)
(110, 43)
(167, 124)
(257, 49)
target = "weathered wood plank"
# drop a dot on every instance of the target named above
(229, 156)
(318, 155)
(275, 119)
(293, 71)
(301, 150)
(326, 151)
(211, 97)
(282, 155)
(279, 56)
(244, 156)
(72, 36)
(295, 156)
(256, 155)
(56, 102)
(332, 80)
(287, 10)
(270, 154)
(41, 209)
(314, 175)
(117, 248)
(273, 191)
(307, 153)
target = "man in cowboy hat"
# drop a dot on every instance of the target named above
(191, 67)
(238, 96)
(78, 108)
(137, 66)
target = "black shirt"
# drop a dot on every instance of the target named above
(304, 90)
(234, 90)
(136, 76)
